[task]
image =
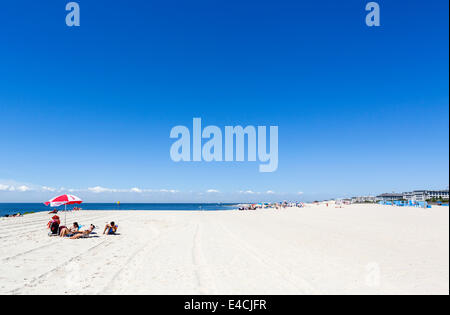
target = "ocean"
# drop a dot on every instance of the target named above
(12, 208)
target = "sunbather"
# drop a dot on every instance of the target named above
(110, 229)
(65, 231)
(84, 233)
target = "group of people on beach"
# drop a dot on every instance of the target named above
(16, 215)
(276, 205)
(74, 232)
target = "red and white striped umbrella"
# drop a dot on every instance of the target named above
(63, 200)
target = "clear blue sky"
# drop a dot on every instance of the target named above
(360, 110)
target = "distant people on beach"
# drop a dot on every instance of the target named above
(13, 215)
(276, 205)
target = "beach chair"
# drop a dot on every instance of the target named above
(54, 229)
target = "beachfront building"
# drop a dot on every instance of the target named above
(390, 197)
(419, 195)
(438, 194)
(408, 196)
(424, 195)
(364, 199)
(343, 201)
(416, 195)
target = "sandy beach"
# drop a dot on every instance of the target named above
(358, 249)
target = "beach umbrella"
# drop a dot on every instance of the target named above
(63, 200)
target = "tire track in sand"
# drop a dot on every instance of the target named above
(203, 274)
(108, 287)
(36, 279)
(299, 283)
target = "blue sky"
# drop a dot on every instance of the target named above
(360, 110)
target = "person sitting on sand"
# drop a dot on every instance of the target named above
(54, 219)
(53, 225)
(84, 233)
(110, 229)
(64, 231)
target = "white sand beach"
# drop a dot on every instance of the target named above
(357, 249)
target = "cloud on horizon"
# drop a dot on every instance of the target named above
(11, 191)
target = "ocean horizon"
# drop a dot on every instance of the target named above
(13, 208)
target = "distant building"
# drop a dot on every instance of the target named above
(390, 197)
(419, 195)
(438, 194)
(408, 196)
(363, 199)
(416, 195)
(346, 201)
(423, 195)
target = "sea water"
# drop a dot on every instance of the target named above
(12, 208)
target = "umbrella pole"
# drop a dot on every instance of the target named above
(65, 215)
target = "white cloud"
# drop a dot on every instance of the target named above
(45, 188)
(168, 191)
(4, 187)
(248, 192)
(99, 189)
(300, 193)
(23, 188)
(270, 192)
(212, 191)
(136, 190)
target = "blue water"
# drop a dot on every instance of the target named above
(12, 208)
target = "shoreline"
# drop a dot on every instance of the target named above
(13, 208)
